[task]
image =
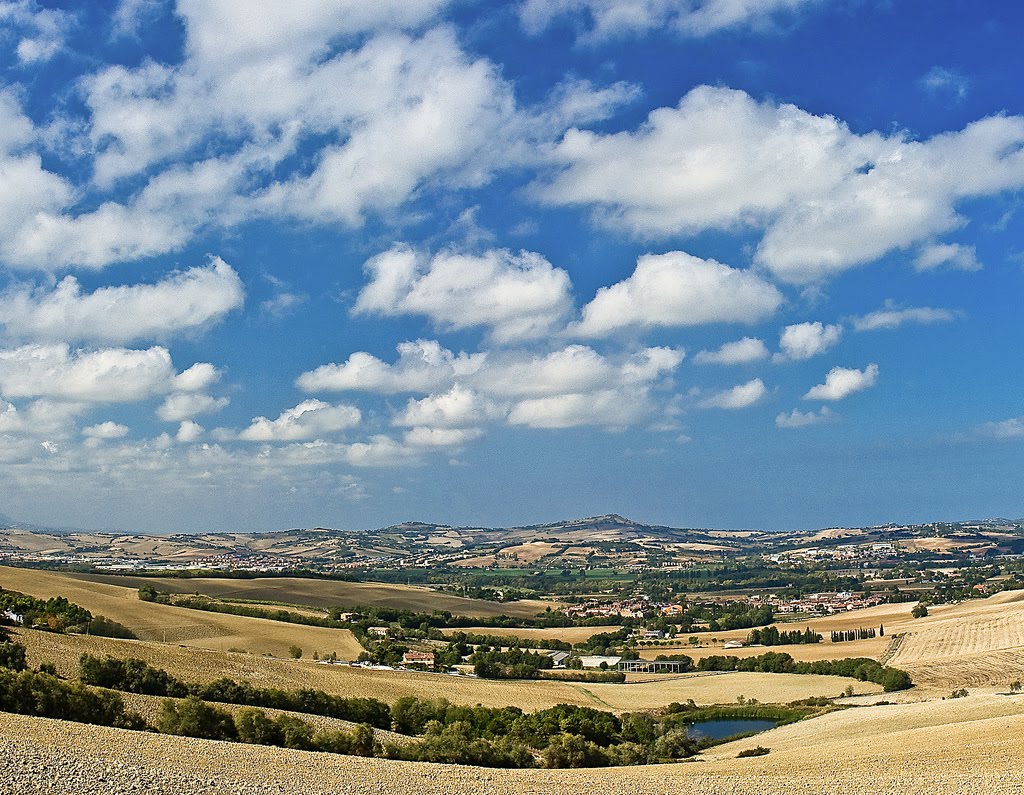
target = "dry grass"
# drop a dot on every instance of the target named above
(965, 746)
(180, 625)
(327, 593)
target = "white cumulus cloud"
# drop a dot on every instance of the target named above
(599, 20)
(422, 366)
(678, 289)
(744, 351)
(825, 198)
(514, 295)
(186, 405)
(110, 375)
(893, 316)
(738, 397)
(310, 419)
(106, 430)
(842, 381)
(185, 302)
(804, 419)
(807, 340)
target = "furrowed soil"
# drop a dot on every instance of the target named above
(966, 746)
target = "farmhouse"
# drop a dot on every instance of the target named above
(418, 658)
(380, 632)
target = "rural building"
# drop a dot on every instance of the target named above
(380, 632)
(595, 660)
(16, 618)
(558, 658)
(418, 658)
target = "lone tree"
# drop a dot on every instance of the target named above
(295, 652)
(919, 611)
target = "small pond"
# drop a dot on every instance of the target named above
(721, 729)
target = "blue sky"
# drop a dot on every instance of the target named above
(733, 263)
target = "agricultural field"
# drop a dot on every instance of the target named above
(977, 643)
(962, 746)
(641, 691)
(180, 625)
(326, 593)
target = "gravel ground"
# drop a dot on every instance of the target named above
(964, 746)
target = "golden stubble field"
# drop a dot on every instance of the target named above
(328, 593)
(956, 747)
(180, 625)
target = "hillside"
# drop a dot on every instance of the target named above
(966, 746)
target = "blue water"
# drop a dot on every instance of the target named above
(721, 729)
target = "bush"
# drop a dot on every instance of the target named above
(295, 651)
(45, 696)
(894, 679)
(193, 717)
(12, 655)
(758, 751)
(919, 611)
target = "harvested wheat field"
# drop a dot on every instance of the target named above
(178, 624)
(328, 593)
(643, 692)
(975, 643)
(964, 746)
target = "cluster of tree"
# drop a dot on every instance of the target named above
(773, 662)
(59, 615)
(562, 736)
(771, 636)
(46, 696)
(442, 619)
(136, 676)
(476, 639)
(12, 655)
(842, 635)
(193, 717)
(513, 663)
(792, 580)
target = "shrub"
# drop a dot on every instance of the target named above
(193, 717)
(919, 611)
(758, 751)
(12, 655)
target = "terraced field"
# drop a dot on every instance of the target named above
(956, 747)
